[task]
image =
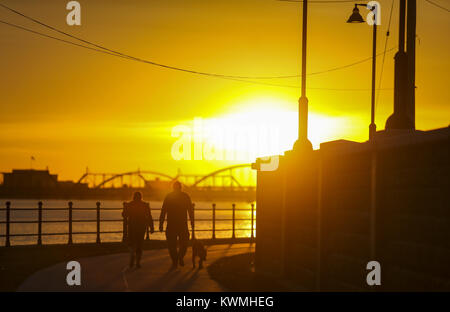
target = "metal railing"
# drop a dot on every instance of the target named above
(98, 220)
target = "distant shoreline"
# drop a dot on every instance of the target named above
(244, 195)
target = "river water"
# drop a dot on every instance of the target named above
(203, 228)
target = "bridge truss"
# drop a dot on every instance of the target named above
(237, 176)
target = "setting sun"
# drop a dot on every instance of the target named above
(268, 127)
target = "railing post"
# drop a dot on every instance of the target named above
(8, 211)
(39, 240)
(234, 221)
(125, 223)
(214, 221)
(253, 220)
(98, 222)
(193, 221)
(70, 223)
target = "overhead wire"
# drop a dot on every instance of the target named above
(102, 49)
(438, 5)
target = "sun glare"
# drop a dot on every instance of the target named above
(265, 129)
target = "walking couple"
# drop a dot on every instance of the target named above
(177, 205)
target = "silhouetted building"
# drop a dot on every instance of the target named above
(29, 183)
(30, 178)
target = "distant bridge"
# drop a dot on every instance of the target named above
(237, 176)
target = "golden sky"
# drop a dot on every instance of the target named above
(73, 108)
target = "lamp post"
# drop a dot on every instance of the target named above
(357, 18)
(302, 142)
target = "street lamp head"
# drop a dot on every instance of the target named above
(355, 17)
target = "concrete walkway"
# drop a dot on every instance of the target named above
(108, 273)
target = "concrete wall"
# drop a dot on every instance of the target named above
(322, 216)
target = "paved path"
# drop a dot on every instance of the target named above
(108, 273)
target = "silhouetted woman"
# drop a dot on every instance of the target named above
(139, 218)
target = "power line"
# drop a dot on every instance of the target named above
(111, 51)
(437, 5)
(349, 1)
(117, 55)
(349, 65)
(139, 59)
(318, 1)
(59, 39)
(227, 78)
(297, 87)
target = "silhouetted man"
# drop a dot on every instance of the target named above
(177, 205)
(139, 218)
